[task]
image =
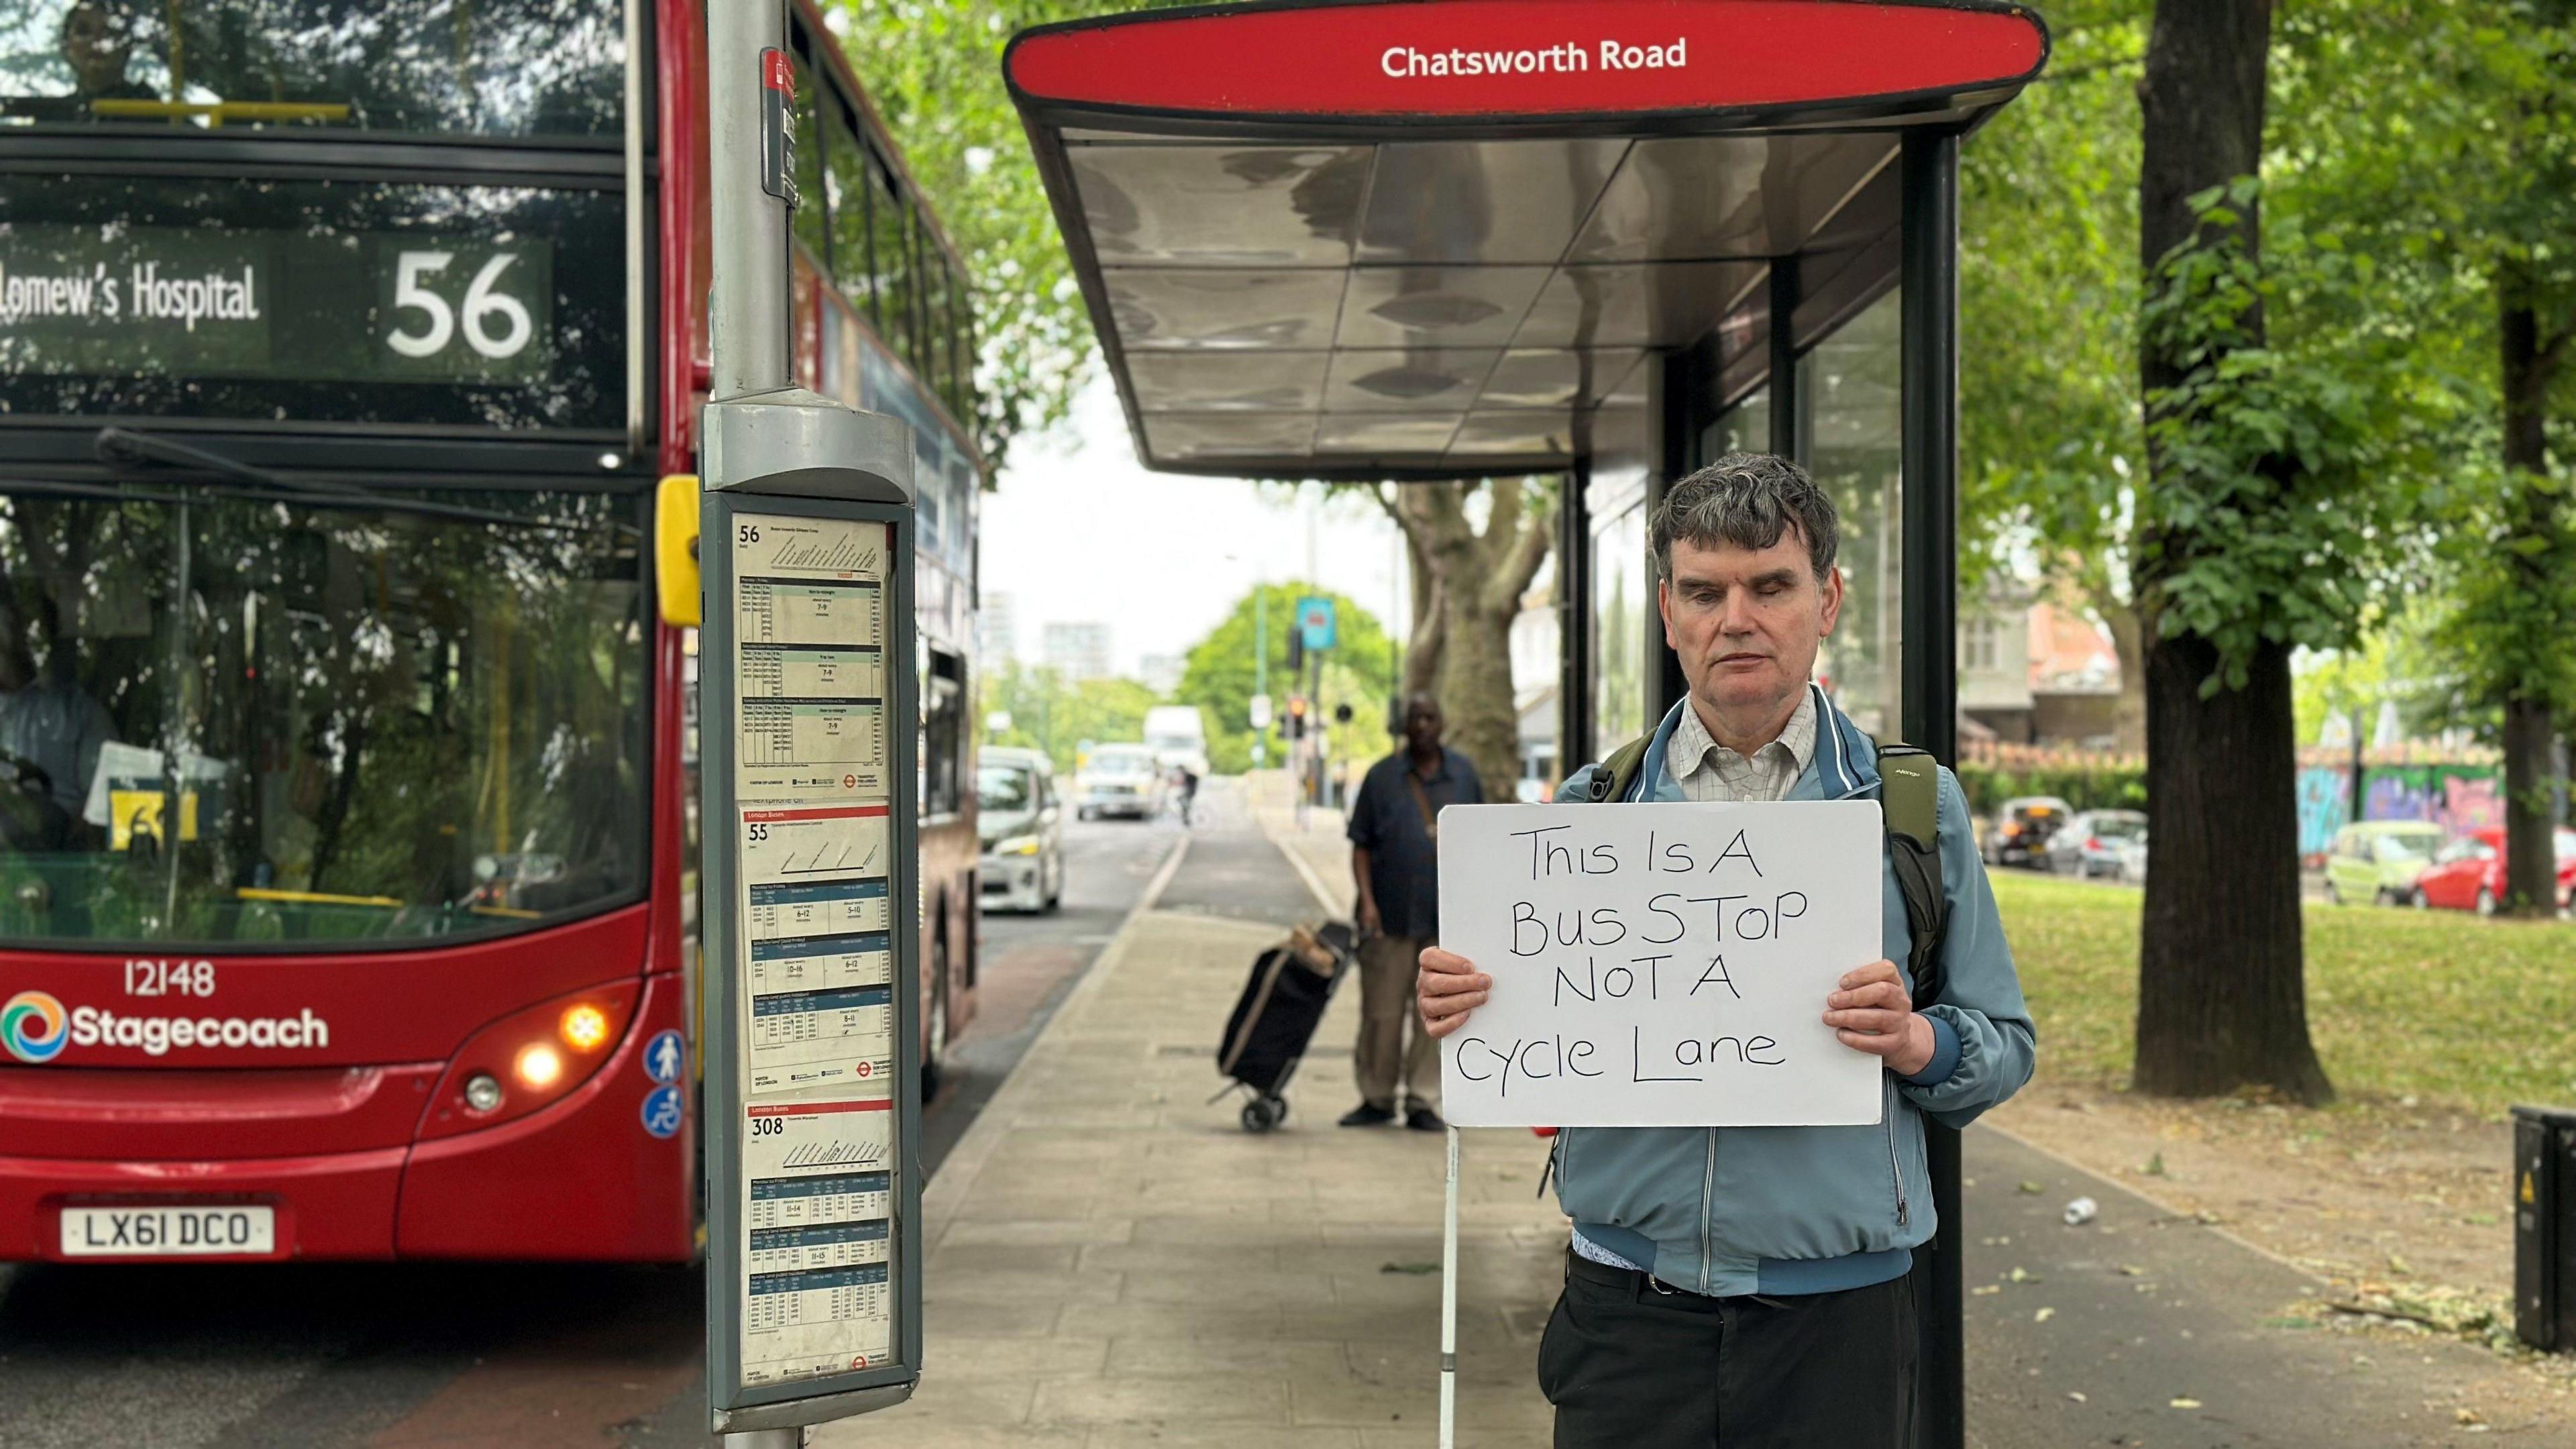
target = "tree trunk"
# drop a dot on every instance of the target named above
(2129, 716)
(2222, 999)
(1430, 637)
(1478, 579)
(2530, 859)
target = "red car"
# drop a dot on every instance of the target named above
(2469, 873)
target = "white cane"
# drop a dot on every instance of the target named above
(1449, 1306)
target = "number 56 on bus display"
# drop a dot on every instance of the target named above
(469, 311)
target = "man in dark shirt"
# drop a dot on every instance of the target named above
(1395, 860)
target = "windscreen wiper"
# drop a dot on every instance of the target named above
(132, 450)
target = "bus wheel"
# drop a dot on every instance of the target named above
(934, 1044)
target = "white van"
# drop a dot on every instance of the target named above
(1178, 737)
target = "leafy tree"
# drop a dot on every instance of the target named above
(2222, 1001)
(934, 74)
(1054, 715)
(2051, 441)
(1219, 677)
(2462, 122)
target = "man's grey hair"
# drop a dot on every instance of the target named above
(1747, 500)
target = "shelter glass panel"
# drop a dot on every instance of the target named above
(1850, 382)
(1623, 593)
(1743, 428)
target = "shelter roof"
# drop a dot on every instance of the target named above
(1442, 238)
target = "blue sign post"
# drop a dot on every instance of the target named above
(1315, 623)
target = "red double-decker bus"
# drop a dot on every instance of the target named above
(350, 356)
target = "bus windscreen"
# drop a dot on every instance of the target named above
(251, 722)
(516, 68)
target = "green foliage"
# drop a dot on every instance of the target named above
(2450, 133)
(2288, 468)
(1054, 715)
(934, 73)
(2118, 785)
(2050, 434)
(2511, 611)
(1359, 671)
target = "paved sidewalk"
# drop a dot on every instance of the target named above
(1112, 1261)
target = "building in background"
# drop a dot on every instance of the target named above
(2074, 678)
(1994, 669)
(997, 630)
(1076, 652)
(1161, 672)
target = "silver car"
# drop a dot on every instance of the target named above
(2089, 844)
(1022, 822)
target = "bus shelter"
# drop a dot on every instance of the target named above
(1432, 239)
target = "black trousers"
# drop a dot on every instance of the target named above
(1630, 1365)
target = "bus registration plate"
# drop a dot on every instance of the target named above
(168, 1231)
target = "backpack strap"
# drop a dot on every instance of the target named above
(1910, 795)
(1611, 779)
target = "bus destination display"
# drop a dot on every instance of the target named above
(213, 302)
(818, 1052)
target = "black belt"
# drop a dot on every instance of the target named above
(1647, 1288)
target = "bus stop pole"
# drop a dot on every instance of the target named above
(1928, 465)
(747, 319)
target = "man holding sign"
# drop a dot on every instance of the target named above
(1687, 984)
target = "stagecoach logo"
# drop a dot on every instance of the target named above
(33, 1027)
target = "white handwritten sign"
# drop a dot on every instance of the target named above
(1660, 965)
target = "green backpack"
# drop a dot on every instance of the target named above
(1910, 795)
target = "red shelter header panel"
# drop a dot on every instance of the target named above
(1471, 58)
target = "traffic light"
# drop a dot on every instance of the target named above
(1296, 653)
(1296, 715)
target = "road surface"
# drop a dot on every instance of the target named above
(408, 1356)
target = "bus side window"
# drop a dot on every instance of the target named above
(943, 718)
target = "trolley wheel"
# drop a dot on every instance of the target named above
(1263, 1113)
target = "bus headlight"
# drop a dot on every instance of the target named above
(538, 1066)
(532, 1058)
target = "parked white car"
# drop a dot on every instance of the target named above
(1123, 780)
(1022, 822)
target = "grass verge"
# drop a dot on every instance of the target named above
(2442, 1006)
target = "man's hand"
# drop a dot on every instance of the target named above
(1448, 987)
(1871, 1013)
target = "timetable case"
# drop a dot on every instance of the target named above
(813, 1000)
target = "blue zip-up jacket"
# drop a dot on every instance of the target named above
(1782, 1210)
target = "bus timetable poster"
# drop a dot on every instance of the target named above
(818, 1013)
